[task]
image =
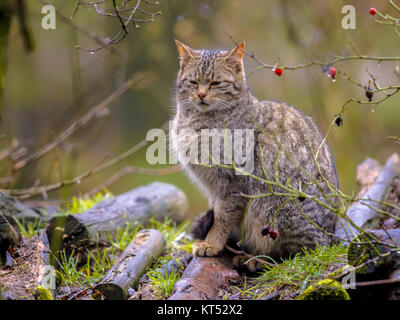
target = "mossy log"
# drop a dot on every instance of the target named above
(131, 265)
(370, 245)
(157, 200)
(204, 278)
(377, 265)
(30, 270)
(326, 289)
(361, 212)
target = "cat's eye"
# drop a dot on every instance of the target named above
(215, 83)
(190, 83)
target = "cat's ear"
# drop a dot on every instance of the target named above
(235, 57)
(186, 53)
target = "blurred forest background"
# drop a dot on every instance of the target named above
(47, 88)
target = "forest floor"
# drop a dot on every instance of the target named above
(76, 277)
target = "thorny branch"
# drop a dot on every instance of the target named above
(134, 15)
(385, 92)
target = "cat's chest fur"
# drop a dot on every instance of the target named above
(215, 180)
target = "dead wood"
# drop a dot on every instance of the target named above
(29, 271)
(11, 209)
(377, 251)
(365, 210)
(157, 200)
(204, 278)
(131, 265)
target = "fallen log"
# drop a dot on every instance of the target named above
(30, 271)
(376, 259)
(367, 173)
(363, 211)
(10, 209)
(375, 252)
(157, 200)
(9, 235)
(131, 265)
(204, 278)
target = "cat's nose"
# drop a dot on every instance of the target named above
(201, 95)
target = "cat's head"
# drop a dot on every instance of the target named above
(210, 79)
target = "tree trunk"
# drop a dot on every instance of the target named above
(131, 265)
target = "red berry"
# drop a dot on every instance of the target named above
(278, 71)
(372, 11)
(332, 72)
(273, 233)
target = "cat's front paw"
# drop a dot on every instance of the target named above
(205, 249)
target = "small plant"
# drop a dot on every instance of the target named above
(175, 234)
(163, 285)
(68, 273)
(123, 237)
(30, 228)
(80, 205)
(296, 273)
(96, 266)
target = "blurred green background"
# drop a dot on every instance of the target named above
(48, 88)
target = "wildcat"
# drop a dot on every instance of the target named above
(212, 92)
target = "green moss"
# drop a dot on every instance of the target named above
(358, 253)
(326, 289)
(43, 293)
